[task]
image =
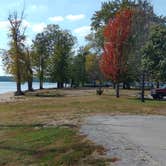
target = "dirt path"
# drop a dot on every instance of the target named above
(135, 140)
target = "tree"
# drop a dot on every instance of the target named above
(53, 48)
(154, 59)
(60, 59)
(28, 68)
(114, 59)
(143, 17)
(92, 68)
(78, 71)
(101, 18)
(40, 56)
(14, 57)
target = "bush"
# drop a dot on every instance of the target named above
(99, 91)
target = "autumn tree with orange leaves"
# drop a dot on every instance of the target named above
(117, 32)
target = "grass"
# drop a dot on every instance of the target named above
(40, 130)
(46, 109)
(45, 146)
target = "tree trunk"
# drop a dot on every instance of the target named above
(18, 92)
(30, 85)
(41, 79)
(60, 85)
(71, 83)
(158, 85)
(124, 85)
(41, 72)
(18, 73)
(41, 83)
(117, 90)
(143, 88)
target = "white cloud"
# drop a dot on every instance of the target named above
(33, 7)
(36, 8)
(68, 17)
(4, 25)
(75, 17)
(28, 41)
(56, 18)
(38, 27)
(82, 31)
(25, 23)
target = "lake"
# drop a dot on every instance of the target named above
(11, 86)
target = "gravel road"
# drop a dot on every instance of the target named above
(135, 140)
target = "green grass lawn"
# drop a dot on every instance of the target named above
(46, 146)
(38, 130)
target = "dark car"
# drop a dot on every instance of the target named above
(158, 93)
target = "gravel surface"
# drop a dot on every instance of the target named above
(135, 140)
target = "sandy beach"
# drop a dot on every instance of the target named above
(7, 97)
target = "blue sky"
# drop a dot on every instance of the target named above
(74, 15)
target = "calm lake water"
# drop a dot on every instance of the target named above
(11, 86)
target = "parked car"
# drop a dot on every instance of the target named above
(158, 93)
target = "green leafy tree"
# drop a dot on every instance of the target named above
(40, 58)
(60, 60)
(78, 74)
(29, 68)
(14, 58)
(154, 54)
(52, 49)
(92, 68)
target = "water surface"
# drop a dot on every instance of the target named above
(11, 86)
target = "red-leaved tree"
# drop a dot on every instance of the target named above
(116, 34)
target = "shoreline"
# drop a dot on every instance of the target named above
(7, 97)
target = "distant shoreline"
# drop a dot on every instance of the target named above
(11, 79)
(10, 86)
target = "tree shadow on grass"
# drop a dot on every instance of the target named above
(32, 151)
(21, 125)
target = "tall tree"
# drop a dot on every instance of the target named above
(92, 68)
(101, 18)
(78, 68)
(142, 17)
(14, 57)
(28, 68)
(154, 54)
(40, 56)
(53, 48)
(59, 67)
(116, 34)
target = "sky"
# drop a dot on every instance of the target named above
(73, 15)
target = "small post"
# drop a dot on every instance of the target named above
(117, 89)
(143, 87)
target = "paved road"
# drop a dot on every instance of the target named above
(136, 140)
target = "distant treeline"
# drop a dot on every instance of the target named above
(6, 78)
(11, 79)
